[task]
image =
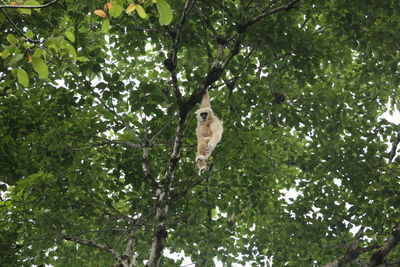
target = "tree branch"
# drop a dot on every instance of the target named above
(206, 22)
(131, 243)
(152, 139)
(178, 195)
(29, 7)
(217, 68)
(266, 13)
(18, 29)
(171, 62)
(108, 142)
(127, 259)
(352, 252)
(378, 257)
(90, 243)
(392, 153)
(162, 194)
(146, 168)
(127, 126)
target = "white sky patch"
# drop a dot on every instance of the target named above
(316, 212)
(393, 118)
(337, 182)
(219, 214)
(289, 195)
(187, 261)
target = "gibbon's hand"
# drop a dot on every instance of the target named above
(200, 157)
(210, 147)
(202, 170)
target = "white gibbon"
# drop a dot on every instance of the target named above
(209, 132)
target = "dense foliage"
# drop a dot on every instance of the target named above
(97, 135)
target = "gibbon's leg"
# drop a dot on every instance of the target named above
(201, 155)
(201, 148)
(203, 167)
(202, 164)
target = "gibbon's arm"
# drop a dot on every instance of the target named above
(216, 129)
(205, 102)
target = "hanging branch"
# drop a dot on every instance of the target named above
(28, 6)
(127, 260)
(18, 29)
(23, 7)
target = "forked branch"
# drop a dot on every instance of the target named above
(90, 243)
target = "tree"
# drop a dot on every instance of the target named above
(98, 145)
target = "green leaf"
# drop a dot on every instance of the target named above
(24, 11)
(82, 59)
(15, 59)
(29, 34)
(165, 12)
(70, 36)
(40, 67)
(5, 53)
(38, 52)
(141, 12)
(214, 213)
(115, 11)
(23, 78)
(31, 3)
(105, 26)
(70, 49)
(12, 39)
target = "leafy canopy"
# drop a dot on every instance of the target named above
(97, 132)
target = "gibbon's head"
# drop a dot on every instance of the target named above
(204, 114)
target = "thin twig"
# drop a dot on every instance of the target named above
(162, 129)
(18, 29)
(268, 12)
(28, 7)
(126, 124)
(206, 21)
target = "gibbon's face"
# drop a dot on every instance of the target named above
(204, 114)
